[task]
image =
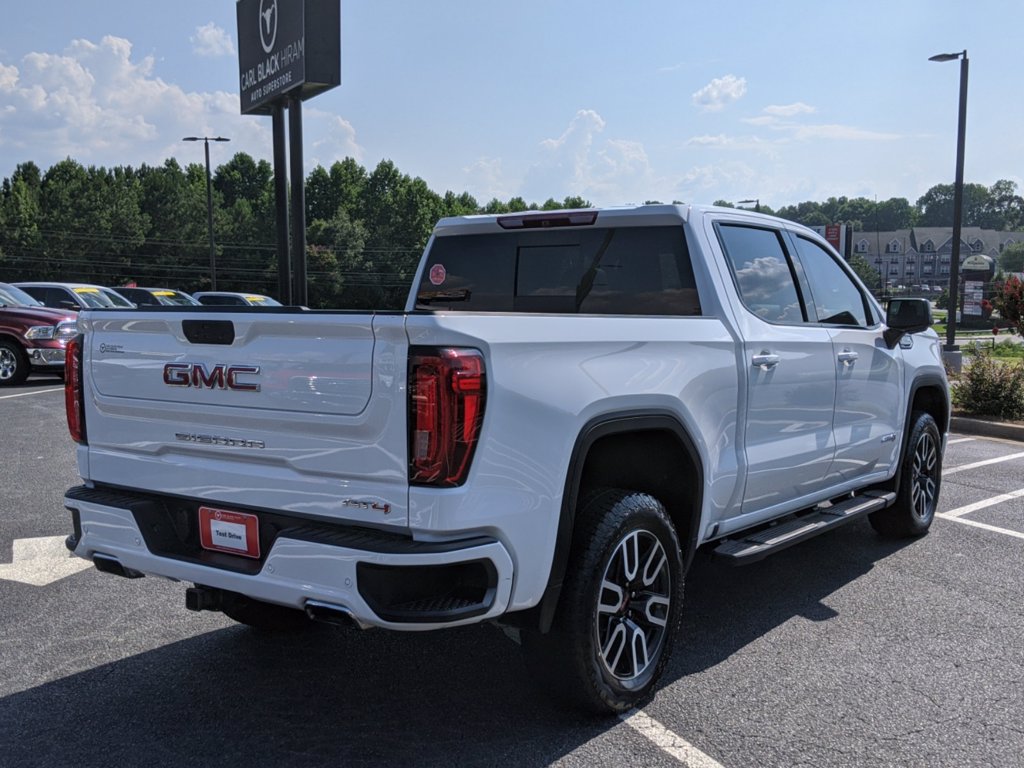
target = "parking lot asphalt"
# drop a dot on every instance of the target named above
(847, 650)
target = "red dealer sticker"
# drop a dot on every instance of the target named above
(438, 274)
(224, 531)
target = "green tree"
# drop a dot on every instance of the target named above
(867, 274)
(935, 207)
(1012, 258)
(175, 253)
(892, 214)
(1006, 206)
(459, 205)
(21, 238)
(338, 274)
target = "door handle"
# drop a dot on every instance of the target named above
(765, 361)
(848, 357)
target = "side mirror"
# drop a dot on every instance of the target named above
(905, 316)
(68, 304)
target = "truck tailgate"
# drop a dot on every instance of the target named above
(293, 411)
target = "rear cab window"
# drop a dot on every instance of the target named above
(643, 270)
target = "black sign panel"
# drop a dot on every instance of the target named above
(284, 46)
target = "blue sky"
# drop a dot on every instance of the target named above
(615, 101)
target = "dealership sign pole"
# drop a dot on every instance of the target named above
(288, 51)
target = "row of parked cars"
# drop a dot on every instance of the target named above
(38, 319)
(76, 296)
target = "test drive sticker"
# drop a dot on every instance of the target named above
(437, 274)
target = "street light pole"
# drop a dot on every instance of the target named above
(756, 202)
(951, 351)
(209, 204)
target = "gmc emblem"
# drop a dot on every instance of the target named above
(218, 377)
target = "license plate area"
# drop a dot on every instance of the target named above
(224, 530)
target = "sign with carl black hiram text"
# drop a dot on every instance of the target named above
(284, 47)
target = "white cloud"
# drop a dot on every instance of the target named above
(337, 142)
(789, 110)
(8, 78)
(486, 178)
(719, 92)
(721, 140)
(769, 120)
(840, 133)
(581, 162)
(99, 105)
(211, 40)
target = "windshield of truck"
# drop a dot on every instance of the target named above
(12, 296)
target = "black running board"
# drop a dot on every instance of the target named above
(756, 545)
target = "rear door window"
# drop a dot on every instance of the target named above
(600, 270)
(764, 275)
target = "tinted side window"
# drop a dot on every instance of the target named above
(763, 272)
(628, 271)
(836, 298)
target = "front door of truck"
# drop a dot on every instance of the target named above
(869, 375)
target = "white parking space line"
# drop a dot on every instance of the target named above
(668, 742)
(987, 462)
(33, 392)
(985, 526)
(960, 440)
(967, 509)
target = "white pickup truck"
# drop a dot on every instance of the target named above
(570, 405)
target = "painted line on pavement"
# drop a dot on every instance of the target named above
(960, 440)
(668, 742)
(33, 392)
(984, 526)
(985, 463)
(968, 508)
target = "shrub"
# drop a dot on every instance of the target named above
(991, 388)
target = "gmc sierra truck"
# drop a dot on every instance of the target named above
(570, 405)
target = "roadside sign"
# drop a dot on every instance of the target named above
(284, 47)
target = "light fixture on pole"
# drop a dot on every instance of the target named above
(755, 201)
(958, 203)
(209, 204)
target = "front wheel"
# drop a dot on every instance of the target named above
(620, 605)
(14, 365)
(920, 479)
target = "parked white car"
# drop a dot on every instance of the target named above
(74, 296)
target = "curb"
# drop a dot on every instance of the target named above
(1003, 430)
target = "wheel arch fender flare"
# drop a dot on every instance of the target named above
(605, 425)
(923, 381)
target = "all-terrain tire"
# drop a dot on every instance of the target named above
(920, 479)
(620, 606)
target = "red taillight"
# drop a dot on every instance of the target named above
(446, 409)
(74, 403)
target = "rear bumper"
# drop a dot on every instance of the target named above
(381, 580)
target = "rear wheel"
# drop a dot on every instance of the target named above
(619, 609)
(14, 365)
(265, 617)
(920, 479)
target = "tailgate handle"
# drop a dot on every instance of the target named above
(209, 331)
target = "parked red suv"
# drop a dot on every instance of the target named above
(32, 337)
